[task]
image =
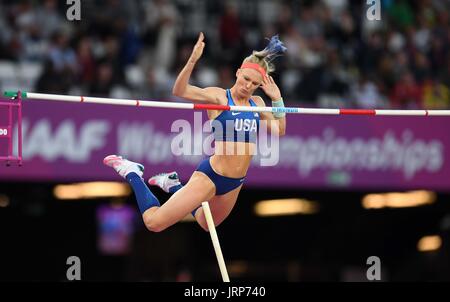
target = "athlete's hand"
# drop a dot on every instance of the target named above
(270, 88)
(198, 49)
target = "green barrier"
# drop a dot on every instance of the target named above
(13, 94)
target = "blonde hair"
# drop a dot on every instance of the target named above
(265, 57)
(259, 57)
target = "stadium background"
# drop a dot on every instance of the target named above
(336, 58)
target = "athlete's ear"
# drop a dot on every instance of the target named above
(238, 72)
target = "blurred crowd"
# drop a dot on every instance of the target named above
(134, 49)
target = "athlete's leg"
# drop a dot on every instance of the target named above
(198, 189)
(169, 183)
(156, 218)
(221, 206)
(133, 172)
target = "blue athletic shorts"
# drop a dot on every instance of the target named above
(223, 184)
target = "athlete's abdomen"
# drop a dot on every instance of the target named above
(232, 159)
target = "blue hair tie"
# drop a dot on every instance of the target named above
(275, 46)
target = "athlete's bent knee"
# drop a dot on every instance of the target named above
(153, 225)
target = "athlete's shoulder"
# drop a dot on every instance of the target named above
(219, 94)
(216, 89)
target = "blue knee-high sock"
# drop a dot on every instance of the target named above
(176, 188)
(144, 196)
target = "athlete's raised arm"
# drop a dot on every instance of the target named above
(183, 89)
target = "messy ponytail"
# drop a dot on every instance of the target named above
(265, 57)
